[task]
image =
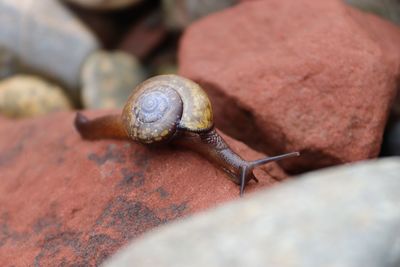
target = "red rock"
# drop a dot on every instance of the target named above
(144, 36)
(65, 201)
(314, 76)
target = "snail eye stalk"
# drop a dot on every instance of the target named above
(246, 172)
(263, 161)
(242, 180)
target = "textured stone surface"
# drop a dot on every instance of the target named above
(314, 76)
(47, 38)
(69, 202)
(347, 216)
(389, 9)
(30, 96)
(104, 4)
(180, 13)
(108, 79)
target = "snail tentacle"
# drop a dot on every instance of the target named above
(242, 180)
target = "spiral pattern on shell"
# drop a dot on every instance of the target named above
(157, 114)
(152, 105)
(164, 104)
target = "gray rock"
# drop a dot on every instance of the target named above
(109, 78)
(389, 9)
(180, 13)
(46, 37)
(347, 216)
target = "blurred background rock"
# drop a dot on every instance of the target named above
(29, 96)
(108, 78)
(96, 50)
(48, 40)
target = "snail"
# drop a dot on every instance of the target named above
(170, 108)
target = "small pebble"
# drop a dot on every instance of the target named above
(29, 96)
(108, 79)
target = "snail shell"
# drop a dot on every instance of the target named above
(161, 106)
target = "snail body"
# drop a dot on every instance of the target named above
(170, 108)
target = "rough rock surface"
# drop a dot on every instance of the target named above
(314, 76)
(69, 202)
(25, 24)
(347, 216)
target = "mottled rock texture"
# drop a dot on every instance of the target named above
(65, 201)
(29, 96)
(341, 217)
(314, 76)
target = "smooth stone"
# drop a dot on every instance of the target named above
(104, 4)
(65, 201)
(108, 78)
(317, 77)
(339, 217)
(24, 96)
(181, 13)
(388, 9)
(47, 38)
